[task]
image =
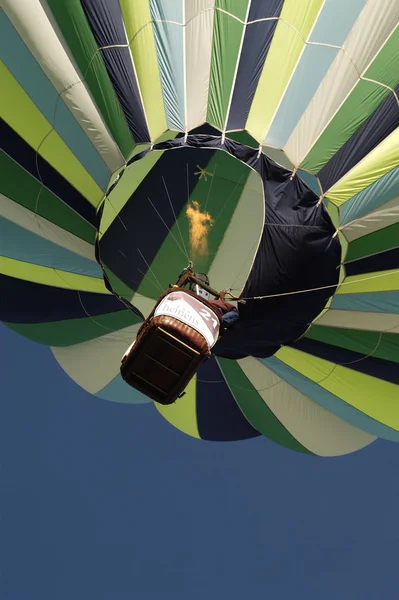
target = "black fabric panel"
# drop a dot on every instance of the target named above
(27, 302)
(376, 367)
(105, 20)
(40, 169)
(257, 40)
(297, 249)
(205, 129)
(218, 416)
(139, 225)
(297, 252)
(384, 261)
(376, 128)
(265, 9)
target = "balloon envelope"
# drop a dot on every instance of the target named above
(278, 122)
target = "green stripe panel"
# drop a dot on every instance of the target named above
(227, 37)
(255, 409)
(355, 388)
(18, 110)
(362, 102)
(137, 18)
(384, 346)
(227, 186)
(243, 138)
(25, 190)
(375, 242)
(238, 8)
(73, 24)
(75, 331)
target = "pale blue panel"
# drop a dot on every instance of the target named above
(170, 49)
(329, 401)
(310, 180)
(314, 64)
(382, 302)
(336, 21)
(167, 10)
(119, 391)
(382, 191)
(24, 67)
(21, 244)
(332, 27)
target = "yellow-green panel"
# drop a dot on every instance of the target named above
(138, 25)
(381, 281)
(344, 246)
(374, 397)
(296, 21)
(124, 189)
(18, 110)
(327, 306)
(182, 414)
(130, 181)
(52, 277)
(375, 165)
(333, 211)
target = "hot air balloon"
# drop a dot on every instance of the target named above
(273, 124)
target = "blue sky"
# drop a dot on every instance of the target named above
(109, 502)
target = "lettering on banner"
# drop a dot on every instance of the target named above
(193, 313)
(207, 315)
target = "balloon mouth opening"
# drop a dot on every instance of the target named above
(169, 208)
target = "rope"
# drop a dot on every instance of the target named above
(150, 269)
(176, 220)
(323, 287)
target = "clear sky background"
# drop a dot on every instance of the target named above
(101, 501)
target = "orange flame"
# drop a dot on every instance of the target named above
(200, 223)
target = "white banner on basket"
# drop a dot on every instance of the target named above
(192, 312)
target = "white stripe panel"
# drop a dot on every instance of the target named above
(320, 431)
(46, 229)
(94, 364)
(366, 321)
(144, 304)
(234, 258)
(278, 156)
(374, 25)
(199, 15)
(44, 40)
(383, 216)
